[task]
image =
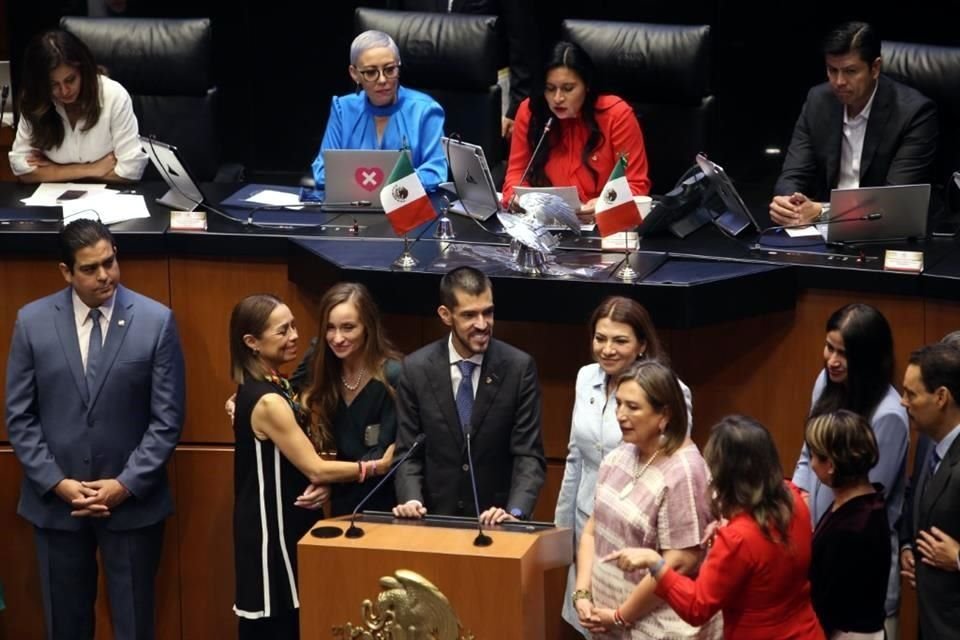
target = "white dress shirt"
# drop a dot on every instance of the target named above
(455, 375)
(851, 148)
(116, 130)
(81, 316)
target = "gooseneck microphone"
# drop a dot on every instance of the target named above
(536, 149)
(356, 532)
(482, 539)
(836, 220)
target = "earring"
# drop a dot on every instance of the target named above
(256, 352)
(663, 438)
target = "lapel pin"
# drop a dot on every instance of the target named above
(591, 400)
(121, 323)
(488, 380)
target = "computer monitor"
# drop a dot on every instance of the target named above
(736, 216)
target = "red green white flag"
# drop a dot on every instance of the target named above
(616, 209)
(403, 198)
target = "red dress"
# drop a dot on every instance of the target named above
(564, 168)
(761, 587)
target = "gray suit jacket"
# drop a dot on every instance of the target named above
(126, 428)
(900, 145)
(505, 436)
(936, 503)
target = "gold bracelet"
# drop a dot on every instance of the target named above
(581, 594)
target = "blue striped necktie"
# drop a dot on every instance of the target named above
(465, 393)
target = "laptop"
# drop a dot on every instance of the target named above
(355, 177)
(184, 193)
(902, 209)
(478, 197)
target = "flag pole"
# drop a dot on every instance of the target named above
(406, 259)
(627, 273)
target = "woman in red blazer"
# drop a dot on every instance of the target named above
(756, 569)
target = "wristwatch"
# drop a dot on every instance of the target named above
(518, 514)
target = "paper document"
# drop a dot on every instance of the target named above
(53, 194)
(800, 232)
(108, 207)
(273, 198)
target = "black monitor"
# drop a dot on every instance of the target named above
(735, 216)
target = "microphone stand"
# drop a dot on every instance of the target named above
(354, 531)
(836, 220)
(533, 156)
(482, 539)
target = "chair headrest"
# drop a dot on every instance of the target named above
(643, 62)
(932, 70)
(439, 50)
(150, 56)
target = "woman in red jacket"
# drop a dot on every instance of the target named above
(589, 132)
(756, 569)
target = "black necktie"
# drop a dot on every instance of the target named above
(96, 346)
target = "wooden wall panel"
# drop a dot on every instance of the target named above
(205, 542)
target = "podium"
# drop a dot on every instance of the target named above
(497, 592)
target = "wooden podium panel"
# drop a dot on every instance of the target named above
(496, 591)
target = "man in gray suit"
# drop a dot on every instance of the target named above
(930, 555)
(860, 129)
(95, 400)
(469, 385)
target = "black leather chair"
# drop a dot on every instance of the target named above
(166, 66)
(934, 71)
(453, 58)
(664, 72)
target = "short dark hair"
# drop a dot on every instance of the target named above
(853, 37)
(467, 279)
(939, 365)
(659, 383)
(630, 312)
(846, 439)
(80, 234)
(952, 338)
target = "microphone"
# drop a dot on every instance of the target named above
(482, 539)
(536, 149)
(835, 220)
(351, 203)
(356, 532)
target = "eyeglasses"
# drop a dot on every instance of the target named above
(372, 74)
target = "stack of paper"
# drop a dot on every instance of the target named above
(93, 201)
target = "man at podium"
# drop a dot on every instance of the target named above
(469, 392)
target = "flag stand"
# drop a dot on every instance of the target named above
(627, 273)
(405, 260)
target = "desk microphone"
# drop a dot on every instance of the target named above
(536, 149)
(482, 539)
(836, 220)
(351, 203)
(356, 532)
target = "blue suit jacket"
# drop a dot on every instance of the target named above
(126, 428)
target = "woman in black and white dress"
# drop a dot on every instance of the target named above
(278, 477)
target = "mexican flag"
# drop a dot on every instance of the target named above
(403, 198)
(616, 210)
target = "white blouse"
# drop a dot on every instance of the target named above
(116, 130)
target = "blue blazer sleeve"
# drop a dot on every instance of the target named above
(144, 468)
(23, 420)
(431, 164)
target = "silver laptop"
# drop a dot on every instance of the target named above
(355, 177)
(476, 191)
(184, 193)
(902, 213)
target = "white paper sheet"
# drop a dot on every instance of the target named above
(274, 198)
(109, 207)
(47, 193)
(800, 232)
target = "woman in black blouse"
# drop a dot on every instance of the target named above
(851, 544)
(350, 394)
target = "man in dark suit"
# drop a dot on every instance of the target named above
(95, 400)
(860, 129)
(930, 555)
(469, 385)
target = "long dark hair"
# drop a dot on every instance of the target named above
(324, 390)
(45, 53)
(747, 476)
(249, 316)
(571, 56)
(868, 343)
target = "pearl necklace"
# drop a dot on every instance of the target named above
(636, 475)
(355, 385)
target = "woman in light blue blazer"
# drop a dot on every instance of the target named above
(621, 333)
